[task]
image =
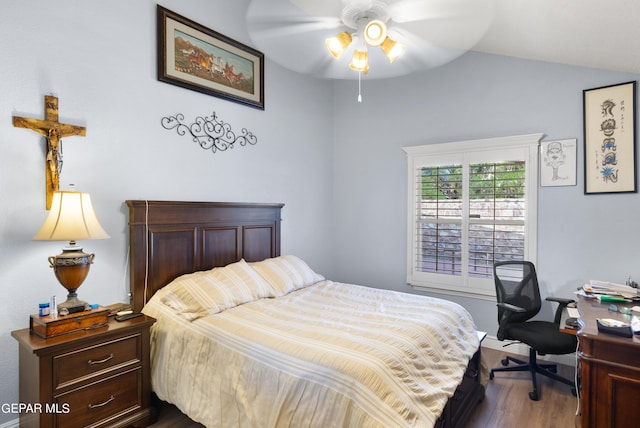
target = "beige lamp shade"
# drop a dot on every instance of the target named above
(71, 218)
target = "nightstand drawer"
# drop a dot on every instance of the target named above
(78, 365)
(104, 399)
(98, 378)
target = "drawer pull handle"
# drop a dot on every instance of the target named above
(95, 406)
(91, 362)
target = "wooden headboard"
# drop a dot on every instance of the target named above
(168, 239)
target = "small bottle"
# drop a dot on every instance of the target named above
(54, 307)
(43, 310)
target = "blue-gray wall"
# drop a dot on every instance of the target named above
(336, 164)
(99, 58)
(580, 237)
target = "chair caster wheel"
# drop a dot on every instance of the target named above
(505, 361)
(533, 395)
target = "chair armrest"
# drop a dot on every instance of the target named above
(508, 310)
(562, 303)
(511, 308)
(560, 300)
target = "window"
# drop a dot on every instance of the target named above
(471, 204)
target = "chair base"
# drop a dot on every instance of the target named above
(532, 366)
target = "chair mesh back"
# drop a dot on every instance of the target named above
(517, 284)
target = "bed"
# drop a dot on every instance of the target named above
(248, 337)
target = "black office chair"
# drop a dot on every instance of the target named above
(519, 300)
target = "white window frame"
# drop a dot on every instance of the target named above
(521, 147)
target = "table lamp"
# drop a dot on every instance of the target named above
(72, 219)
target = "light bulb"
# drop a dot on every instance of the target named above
(375, 32)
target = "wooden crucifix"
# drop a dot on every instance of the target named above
(53, 131)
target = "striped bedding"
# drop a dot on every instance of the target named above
(325, 355)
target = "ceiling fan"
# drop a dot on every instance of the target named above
(342, 39)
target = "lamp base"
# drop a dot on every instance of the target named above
(73, 305)
(71, 268)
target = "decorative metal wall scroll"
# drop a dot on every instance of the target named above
(209, 132)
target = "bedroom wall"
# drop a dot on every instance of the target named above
(580, 237)
(344, 173)
(99, 58)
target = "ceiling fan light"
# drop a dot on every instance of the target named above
(375, 32)
(359, 61)
(336, 45)
(392, 49)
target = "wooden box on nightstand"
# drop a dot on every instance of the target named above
(49, 326)
(98, 377)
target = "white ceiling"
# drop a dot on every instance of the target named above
(601, 34)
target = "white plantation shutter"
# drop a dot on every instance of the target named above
(497, 211)
(470, 204)
(439, 207)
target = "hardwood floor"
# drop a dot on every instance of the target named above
(506, 403)
(170, 417)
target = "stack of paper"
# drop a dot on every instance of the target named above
(611, 289)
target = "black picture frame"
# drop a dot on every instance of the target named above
(610, 139)
(195, 57)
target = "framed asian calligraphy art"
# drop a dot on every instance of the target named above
(610, 139)
(197, 58)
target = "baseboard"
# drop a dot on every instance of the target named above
(11, 424)
(518, 348)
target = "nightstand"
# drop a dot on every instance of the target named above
(98, 377)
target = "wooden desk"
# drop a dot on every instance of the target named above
(609, 370)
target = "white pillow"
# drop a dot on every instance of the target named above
(199, 294)
(286, 273)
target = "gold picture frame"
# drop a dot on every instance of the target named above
(610, 139)
(195, 57)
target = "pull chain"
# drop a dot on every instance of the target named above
(359, 87)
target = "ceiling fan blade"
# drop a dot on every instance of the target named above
(290, 36)
(279, 26)
(450, 24)
(322, 7)
(402, 11)
(423, 55)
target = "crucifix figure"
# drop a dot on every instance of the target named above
(53, 131)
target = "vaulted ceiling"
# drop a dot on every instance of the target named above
(590, 33)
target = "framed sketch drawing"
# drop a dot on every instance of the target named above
(558, 160)
(610, 139)
(198, 58)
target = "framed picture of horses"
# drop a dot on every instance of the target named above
(197, 58)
